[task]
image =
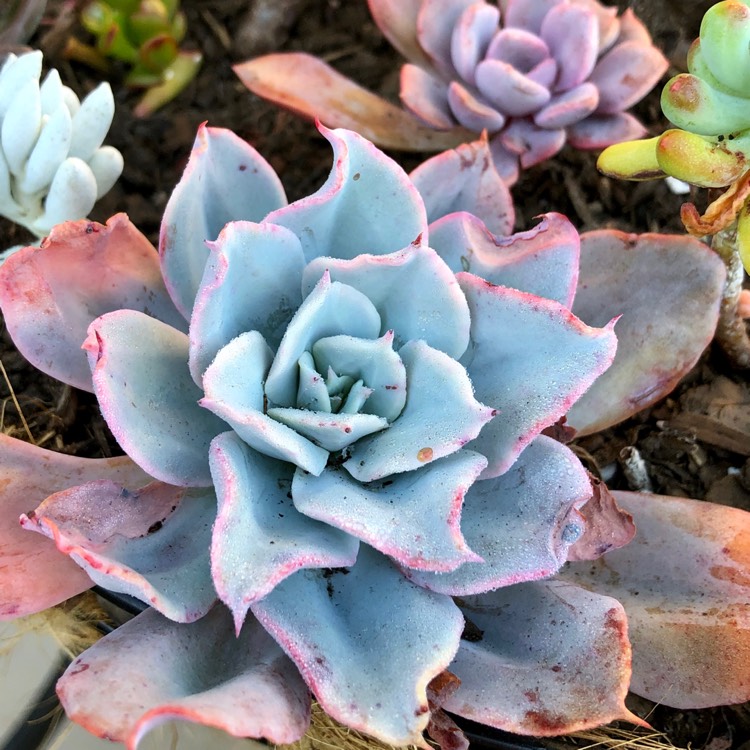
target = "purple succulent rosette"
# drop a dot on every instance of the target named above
(534, 74)
(331, 412)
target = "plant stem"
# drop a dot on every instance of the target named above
(731, 331)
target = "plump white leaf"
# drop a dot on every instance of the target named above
(91, 122)
(106, 164)
(49, 152)
(16, 74)
(71, 196)
(21, 125)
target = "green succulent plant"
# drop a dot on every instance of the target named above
(146, 35)
(708, 147)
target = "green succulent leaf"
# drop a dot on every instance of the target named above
(725, 43)
(692, 104)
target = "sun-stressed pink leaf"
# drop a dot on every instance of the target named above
(542, 658)
(530, 359)
(465, 179)
(50, 294)
(667, 288)
(685, 584)
(397, 19)
(35, 574)
(146, 394)
(159, 670)
(313, 89)
(541, 261)
(367, 642)
(152, 543)
(225, 180)
(606, 525)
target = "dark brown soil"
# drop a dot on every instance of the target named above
(685, 456)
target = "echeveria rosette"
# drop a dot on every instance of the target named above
(340, 391)
(534, 74)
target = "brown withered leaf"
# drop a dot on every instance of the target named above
(607, 525)
(441, 727)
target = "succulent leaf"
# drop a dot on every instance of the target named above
(422, 434)
(465, 179)
(368, 666)
(688, 624)
(138, 364)
(245, 686)
(725, 43)
(632, 160)
(414, 292)
(412, 519)
(544, 381)
(520, 525)
(251, 282)
(549, 658)
(692, 104)
(38, 576)
(313, 89)
(119, 538)
(367, 204)
(700, 160)
(259, 537)
(542, 261)
(225, 180)
(233, 385)
(667, 290)
(48, 301)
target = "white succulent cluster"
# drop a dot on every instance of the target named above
(53, 166)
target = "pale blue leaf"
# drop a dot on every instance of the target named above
(423, 432)
(331, 308)
(367, 642)
(251, 283)
(259, 537)
(521, 524)
(330, 431)
(414, 292)
(225, 180)
(414, 518)
(530, 358)
(145, 392)
(367, 205)
(373, 362)
(234, 390)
